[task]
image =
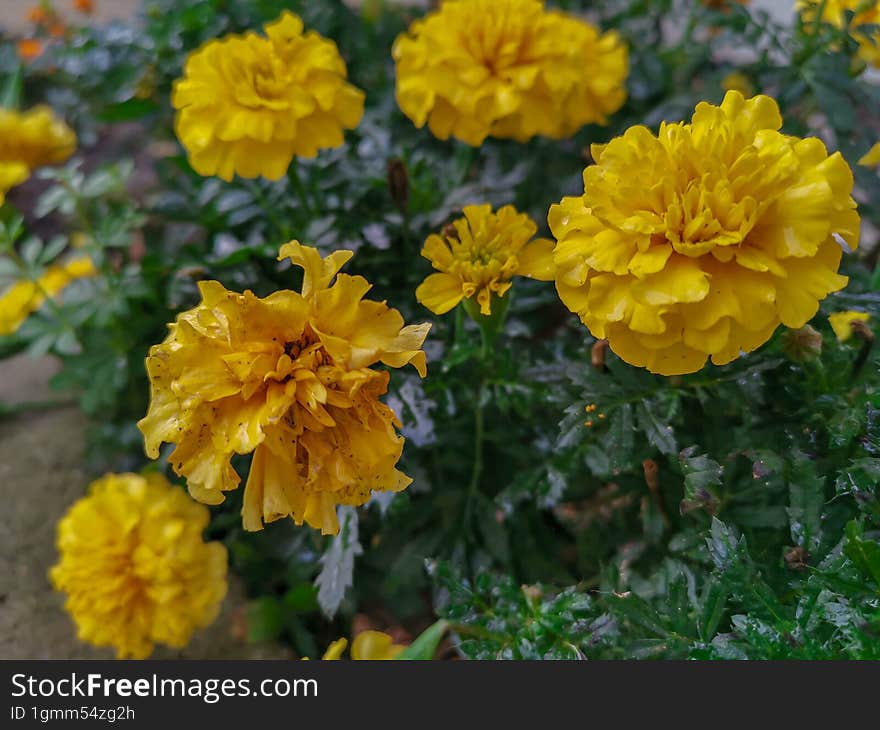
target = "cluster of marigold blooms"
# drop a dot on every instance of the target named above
(47, 25)
(690, 244)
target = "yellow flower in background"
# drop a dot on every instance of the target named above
(367, 645)
(872, 157)
(25, 297)
(841, 323)
(834, 12)
(479, 254)
(699, 241)
(134, 566)
(289, 379)
(249, 104)
(29, 140)
(507, 68)
(738, 81)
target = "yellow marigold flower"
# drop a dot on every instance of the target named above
(288, 378)
(698, 242)
(737, 81)
(871, 157)
(478, 255)
(834, 12)
(841, 323)
(507, 68)
(134, 566)
(249, 104)
(29, 140)
(367, 645)
(25, 297)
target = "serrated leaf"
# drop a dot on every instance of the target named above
(619, 439)
(865, 553)
(337, 563)
(659, 434)
(806, 499)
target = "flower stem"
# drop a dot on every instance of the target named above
(258, 193)
(300, 190)
(479, 435)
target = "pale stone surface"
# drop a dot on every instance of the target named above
(42, 473)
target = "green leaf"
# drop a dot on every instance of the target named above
(714, 605)
(619, 439)
(865, 553)
(337, 571)
(264, 619)
(10, 94)
(659, 434)
(127, 110)
(806, 492)
(702, 476)
(425, 645)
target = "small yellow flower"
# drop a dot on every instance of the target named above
(288, 378)
(249, 104)
(25, 297)
(841, 323)
(479, 254)
(872, 157)
(699, 241)
(29, 140)
(834, 11)
(507, 68)
(134, 566)
(737, 81)
(367, 645)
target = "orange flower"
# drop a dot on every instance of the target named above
(29, 48)
(39, 14)
(57, 30)
(84, 6)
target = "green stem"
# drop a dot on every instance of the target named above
(268, 209)
(477, 470)
(299, 189)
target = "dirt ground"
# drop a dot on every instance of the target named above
(41, 475)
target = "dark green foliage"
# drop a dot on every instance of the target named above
(565, 509)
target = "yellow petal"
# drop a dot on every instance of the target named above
(440, 293)
(536, 260)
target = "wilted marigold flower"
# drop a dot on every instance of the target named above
(249, 104)
(835, 12)
(288, 378)
(478, 255)
(842, 323)
(26, 297)
(507, 68)
(134, 566)
(367, 645)
(84, 6)
(700, 241)
(29, 140)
